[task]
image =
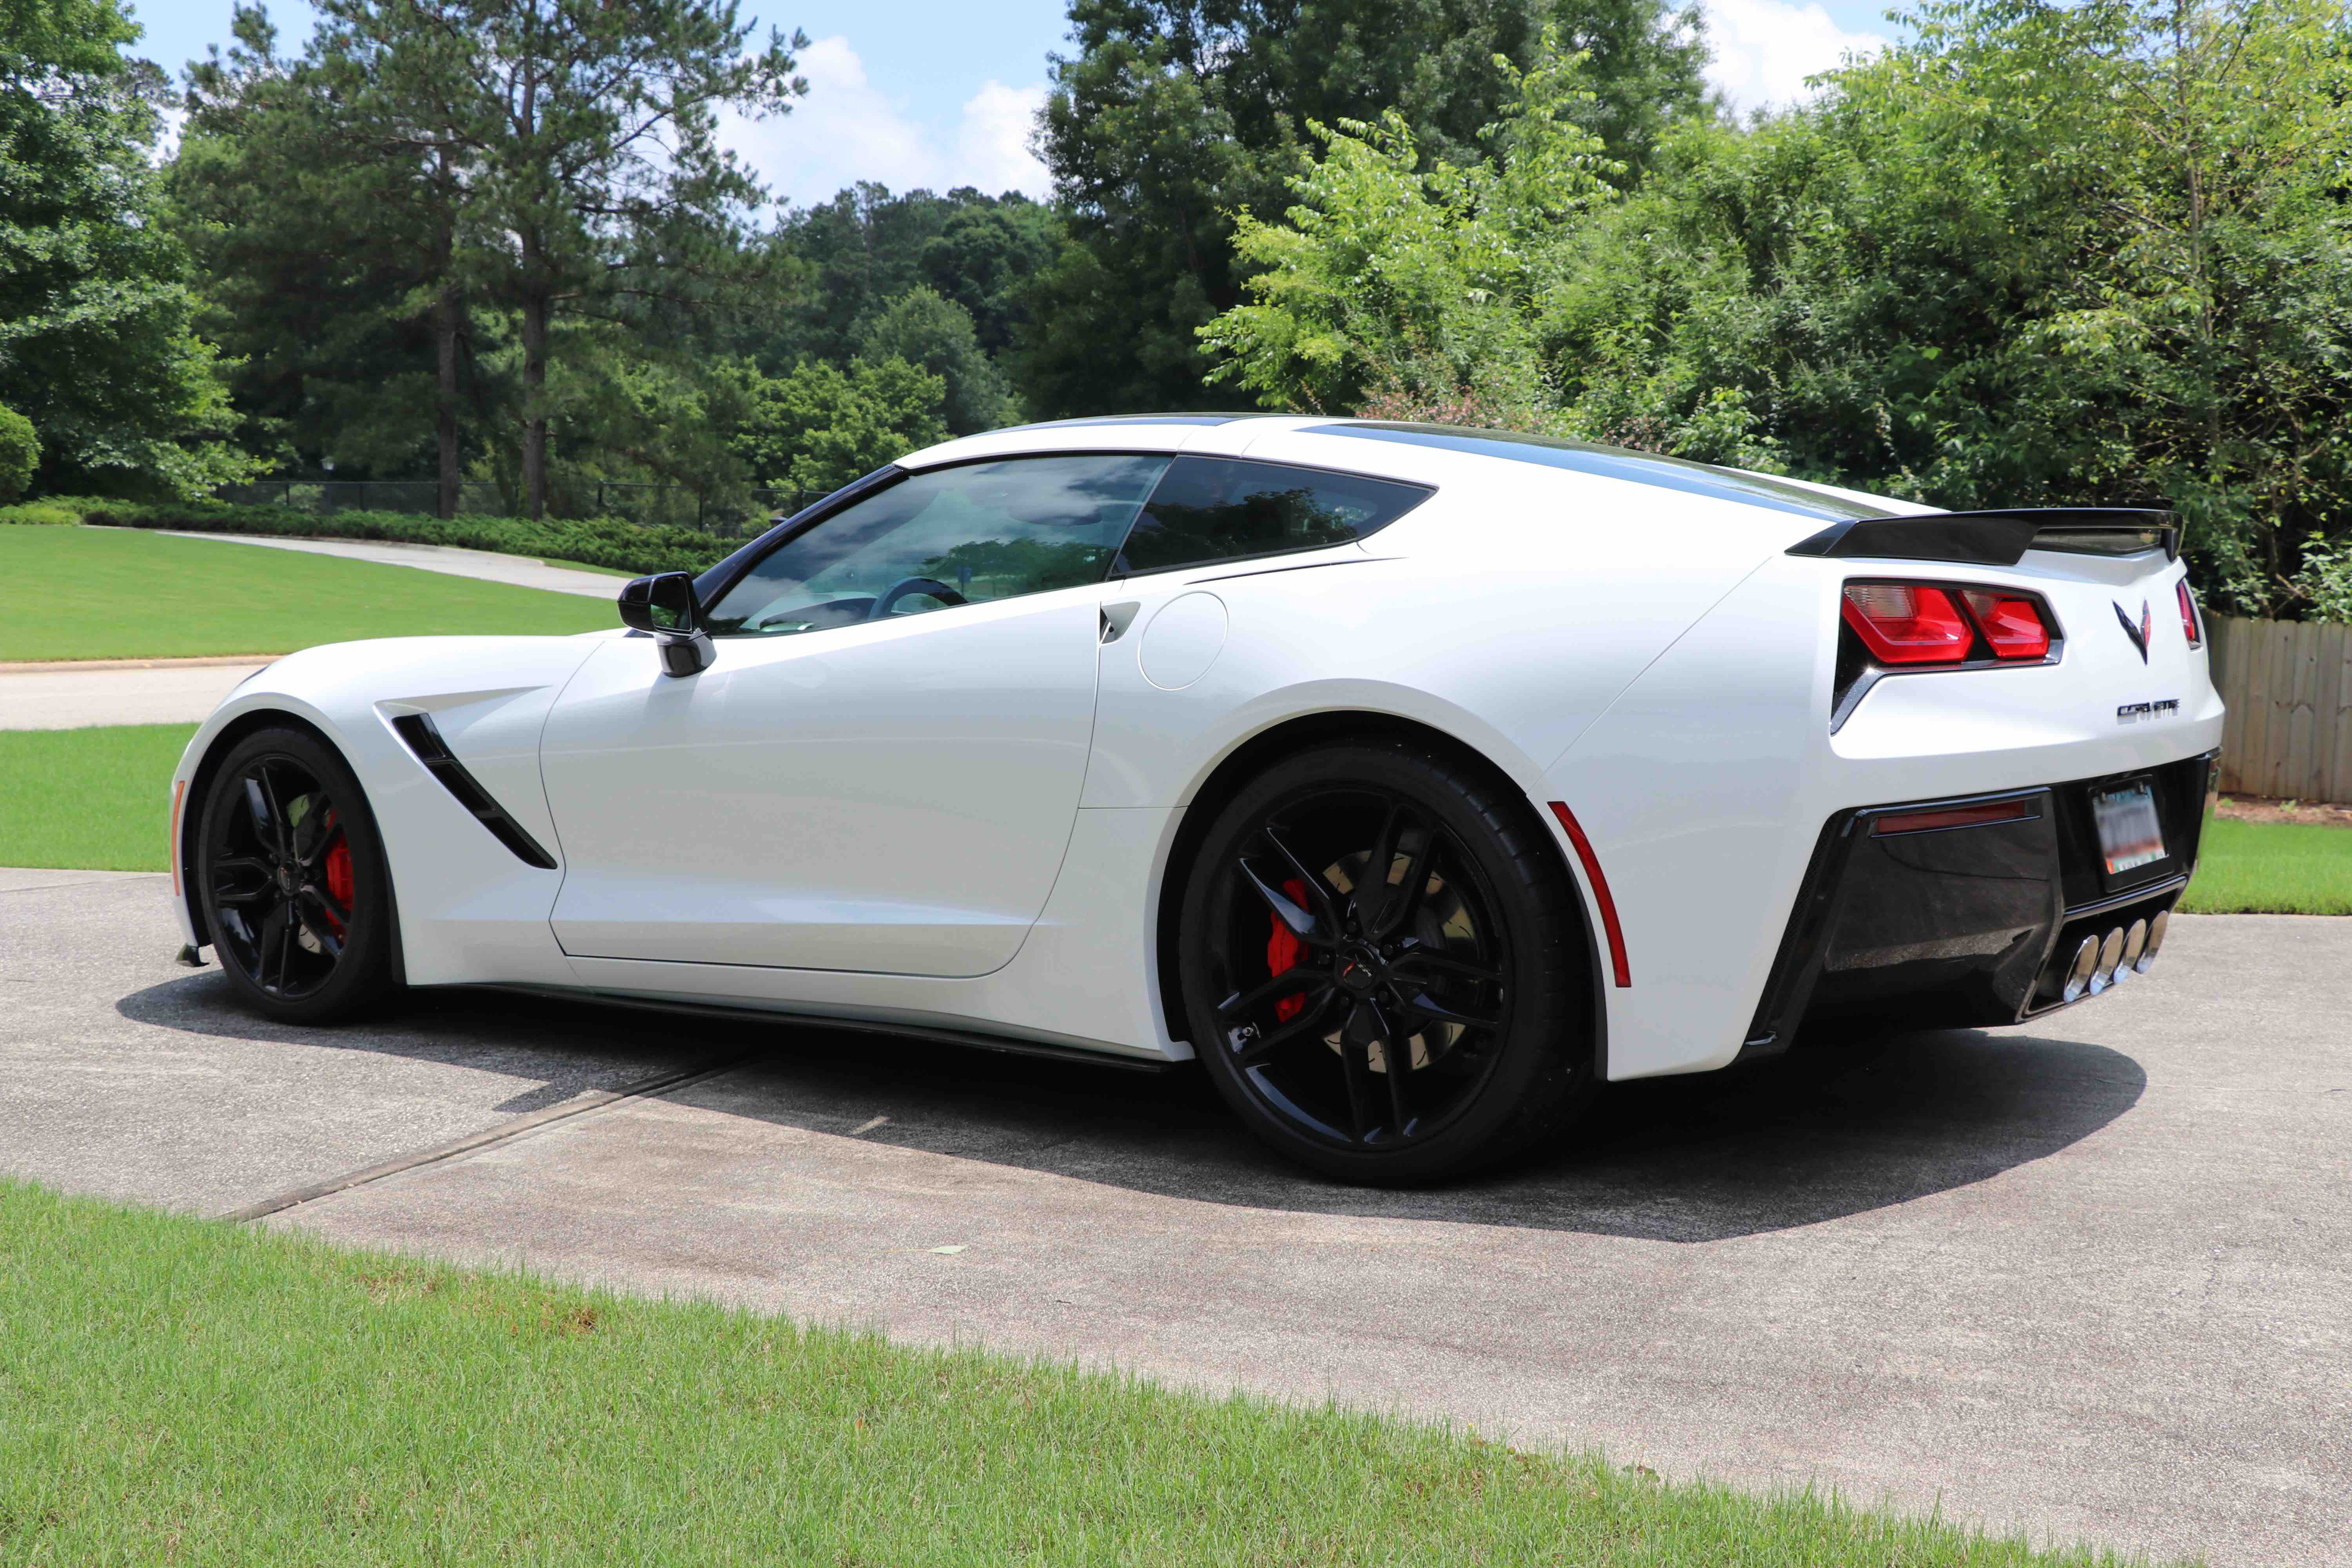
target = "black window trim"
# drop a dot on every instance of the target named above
(719, 578)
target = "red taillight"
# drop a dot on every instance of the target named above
(1907, 624)
(2188, 616)
(2012, 625)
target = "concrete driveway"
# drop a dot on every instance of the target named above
(484, 565)
(2092, 1278)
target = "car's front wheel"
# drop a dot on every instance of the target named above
(291, 875)
(1383, 965)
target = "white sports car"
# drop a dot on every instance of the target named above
(1414, 779)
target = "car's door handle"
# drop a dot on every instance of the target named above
(1117, 618)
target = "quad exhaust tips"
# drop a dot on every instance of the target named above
(2100, 962)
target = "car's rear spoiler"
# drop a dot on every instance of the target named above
(1998, 538)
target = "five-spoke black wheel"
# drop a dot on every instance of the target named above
(1383, 967)
(290, 876)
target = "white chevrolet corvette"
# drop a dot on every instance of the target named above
(1414, 779)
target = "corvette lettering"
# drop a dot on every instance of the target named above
(2149, 712)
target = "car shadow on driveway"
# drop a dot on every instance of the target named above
(1831, 1131)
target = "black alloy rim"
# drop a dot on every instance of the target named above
(1364, 1011)
(281, 879)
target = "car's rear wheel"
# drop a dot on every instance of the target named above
(1383, 967)
(291, 875)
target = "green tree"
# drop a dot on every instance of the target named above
(329, 233)
(1414, 281)
(1172, 114)
(583, 134)
(922, 328)
(96, 346)
(20, 454)
(819, 425)
(839, 262)
(986, 254)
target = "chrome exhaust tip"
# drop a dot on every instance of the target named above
(2147, 959)
(2111, 953)
(2134, 944)
(2078, 973)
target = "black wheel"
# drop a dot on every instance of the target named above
(1383, 967)
(293, 882)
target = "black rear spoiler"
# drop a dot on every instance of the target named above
(1998, 538)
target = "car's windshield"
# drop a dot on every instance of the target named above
(950, 536)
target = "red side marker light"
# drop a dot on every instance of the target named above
(2012, 625)
(2189, 615)
(1906, 624)
(1619, 969)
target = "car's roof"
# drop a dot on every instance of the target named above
(1430, 453)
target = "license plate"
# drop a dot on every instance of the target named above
(2129, 834)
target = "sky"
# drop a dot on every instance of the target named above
(941, 93)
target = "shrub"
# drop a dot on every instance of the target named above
(2325, 583)
(40, 511)
(592, 542)
(20, 453)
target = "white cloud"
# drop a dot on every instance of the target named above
(993, 142)
(848, 129)
(1764, 49)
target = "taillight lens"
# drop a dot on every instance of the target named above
(1907, 624)
(2188, 616)
(2012, 625)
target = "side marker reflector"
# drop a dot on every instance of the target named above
(179, 794)
(1623, 974)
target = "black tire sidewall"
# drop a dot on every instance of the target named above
(1547, 1058)
(363, 975)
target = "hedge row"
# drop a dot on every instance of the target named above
(594, 542)
(52, 509)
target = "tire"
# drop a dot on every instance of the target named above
(1475, 974)
(292, 876)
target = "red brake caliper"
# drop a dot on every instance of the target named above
(1283, 951)
(338, 875)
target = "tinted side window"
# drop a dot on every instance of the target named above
(943, 537)
(1220, 509)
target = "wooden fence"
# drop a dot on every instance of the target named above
(2289, 688)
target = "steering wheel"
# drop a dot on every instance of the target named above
(911, 585)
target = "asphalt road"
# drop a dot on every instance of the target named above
(2090, 1279)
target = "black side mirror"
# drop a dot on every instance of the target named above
(664, 605)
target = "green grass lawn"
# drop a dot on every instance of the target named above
(178, 1390)
(2271, 867)
(90, 799)
(89, 593)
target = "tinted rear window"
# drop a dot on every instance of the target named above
(1220, 508)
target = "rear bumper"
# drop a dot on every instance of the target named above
(1897, 927)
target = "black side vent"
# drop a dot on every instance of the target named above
(423, 738)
